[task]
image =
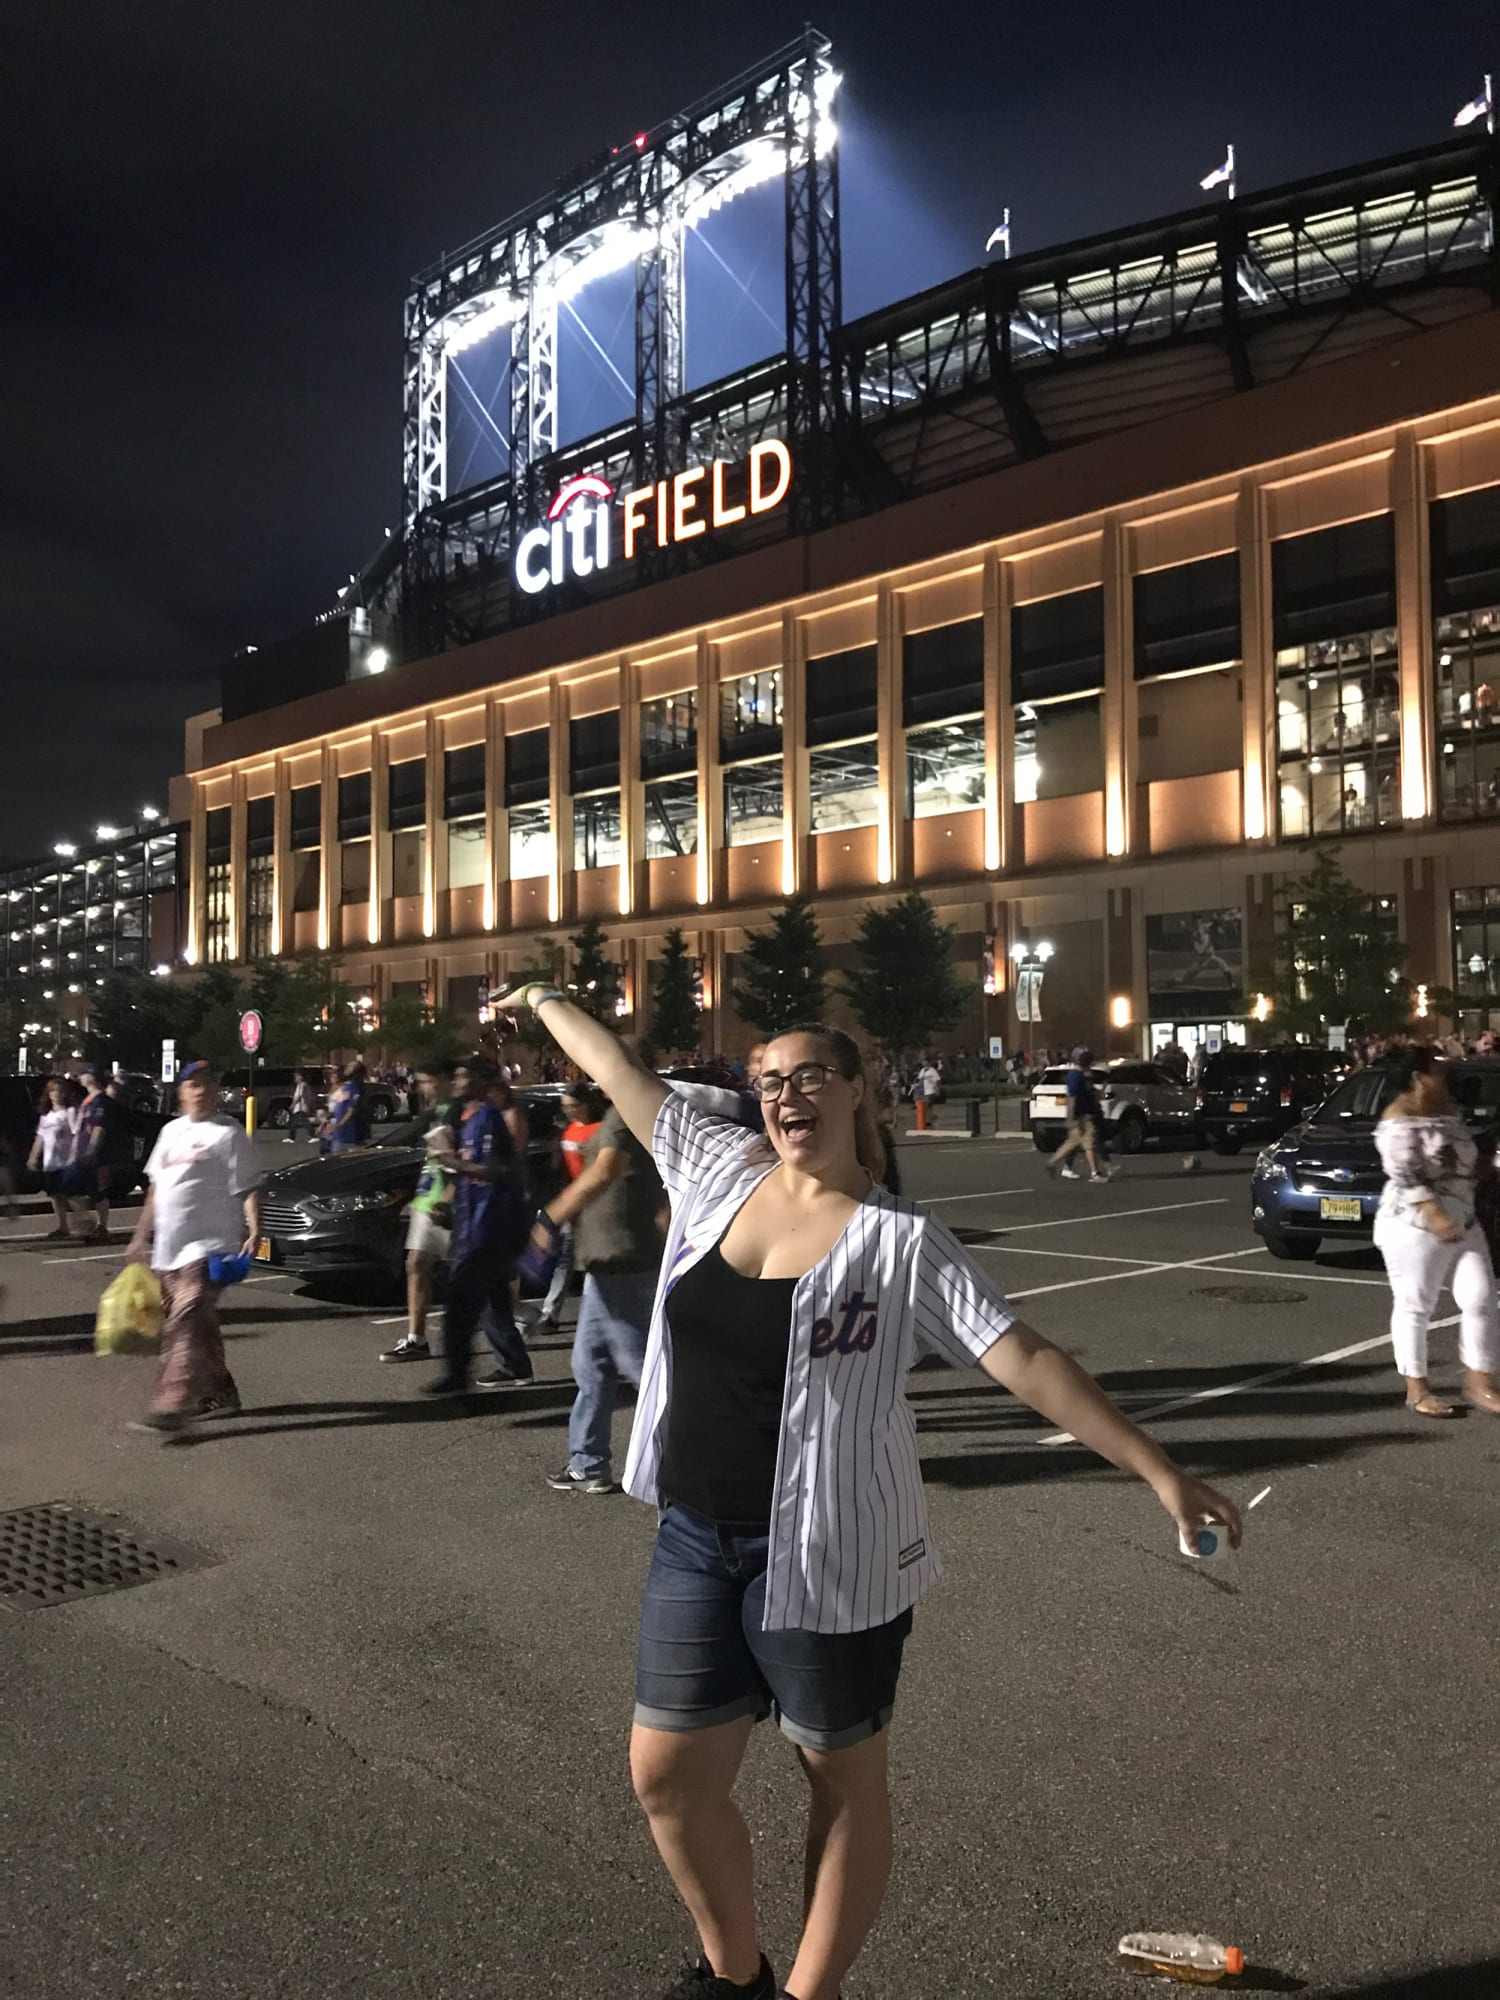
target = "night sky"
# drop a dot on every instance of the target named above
(214, 210)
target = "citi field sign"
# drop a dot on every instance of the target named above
(579, 536)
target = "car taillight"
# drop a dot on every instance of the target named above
(1197, 1100)
(1286, 1093)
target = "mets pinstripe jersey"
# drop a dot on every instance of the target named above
(850, 1545)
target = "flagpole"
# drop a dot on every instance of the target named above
(1233, 182)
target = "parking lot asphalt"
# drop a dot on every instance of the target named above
(376, 1746)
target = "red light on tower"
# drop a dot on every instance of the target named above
(640, 141)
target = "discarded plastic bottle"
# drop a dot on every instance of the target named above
(1196, 1961)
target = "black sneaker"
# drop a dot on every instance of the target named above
(408, 1348)
(444, 1385)
(702, 1983)
(220, 1406)
(502, 1378)
(569, 1481)
(164, 1423)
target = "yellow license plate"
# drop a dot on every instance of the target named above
(263, 1250)
(1243, 1105)
(1339, 1208)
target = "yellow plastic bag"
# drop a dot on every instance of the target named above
(130, 1314)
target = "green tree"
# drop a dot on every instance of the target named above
(905, 990)
(134, 1012)
(308, 1012)
(595, 981)
(781, 970)
(676, 1024)
(1335, 963)
(411, 1031)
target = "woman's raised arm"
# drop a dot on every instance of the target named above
(636, 1092)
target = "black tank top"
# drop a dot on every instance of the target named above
(730, 1338)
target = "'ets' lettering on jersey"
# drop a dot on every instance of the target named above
(579, 537)
(852, 1330)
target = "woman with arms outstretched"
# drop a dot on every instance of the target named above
(773, 1434)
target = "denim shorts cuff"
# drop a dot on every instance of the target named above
(683, 1719)
(832, 1739)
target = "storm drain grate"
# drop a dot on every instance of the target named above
(53, 1554)
(1249, 1295)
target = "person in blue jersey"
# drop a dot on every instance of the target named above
(347, 1123)
(490, 1224)
(773, 1436)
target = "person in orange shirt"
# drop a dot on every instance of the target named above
(583, 1108)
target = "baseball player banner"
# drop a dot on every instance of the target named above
(1195, 964)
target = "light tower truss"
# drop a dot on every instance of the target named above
(631, 206)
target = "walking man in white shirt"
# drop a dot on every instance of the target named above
(202, 1203)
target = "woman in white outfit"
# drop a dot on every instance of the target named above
(1426, 1232)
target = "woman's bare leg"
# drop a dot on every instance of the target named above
(848, 1862)
(684, 1780)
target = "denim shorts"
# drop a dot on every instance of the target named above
(702, 1658)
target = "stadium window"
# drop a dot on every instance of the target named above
(528, 769)
(463, 782)
(406, 795)
(843, 767)
(466, 853)
(354, 807)
(669, 735)
(408, 861)
(942, 707)
(354, 871)
(1466, 652)
(750, 717)
(1337, 679)
(594, 752)
(671, 818)
(752, 802)
(596, 830)
(531, 849)
(1057, 677)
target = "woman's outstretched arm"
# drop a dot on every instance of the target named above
(636, 1092)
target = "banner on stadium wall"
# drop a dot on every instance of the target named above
(1195, 964)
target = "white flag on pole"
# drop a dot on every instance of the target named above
(1219, 175)
(1000, 235)
(1477, 107)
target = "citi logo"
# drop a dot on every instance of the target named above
(577, 541)
(852, 1331)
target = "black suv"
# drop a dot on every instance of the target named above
(1261, 1093)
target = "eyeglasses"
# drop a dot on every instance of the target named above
(807, 1080)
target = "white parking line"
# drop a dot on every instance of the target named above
(91, 1257)
(399, 1319)
(986, 1194)
(1119, 1214)
(1257, 1381)
(1318, 1277)
(1115, 1277)
(1067, 1256)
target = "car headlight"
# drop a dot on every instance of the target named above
(352, 1204)
(1269, 1168)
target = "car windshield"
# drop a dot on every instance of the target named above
(1363, 1096)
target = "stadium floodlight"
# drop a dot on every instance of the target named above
(150, 812)
(65, 848)
(1482, 106)
(377, 659)
(103, 832)
(1222, 176)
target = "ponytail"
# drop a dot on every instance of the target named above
(869, 1140)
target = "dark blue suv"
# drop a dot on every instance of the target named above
(1320, 1183)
